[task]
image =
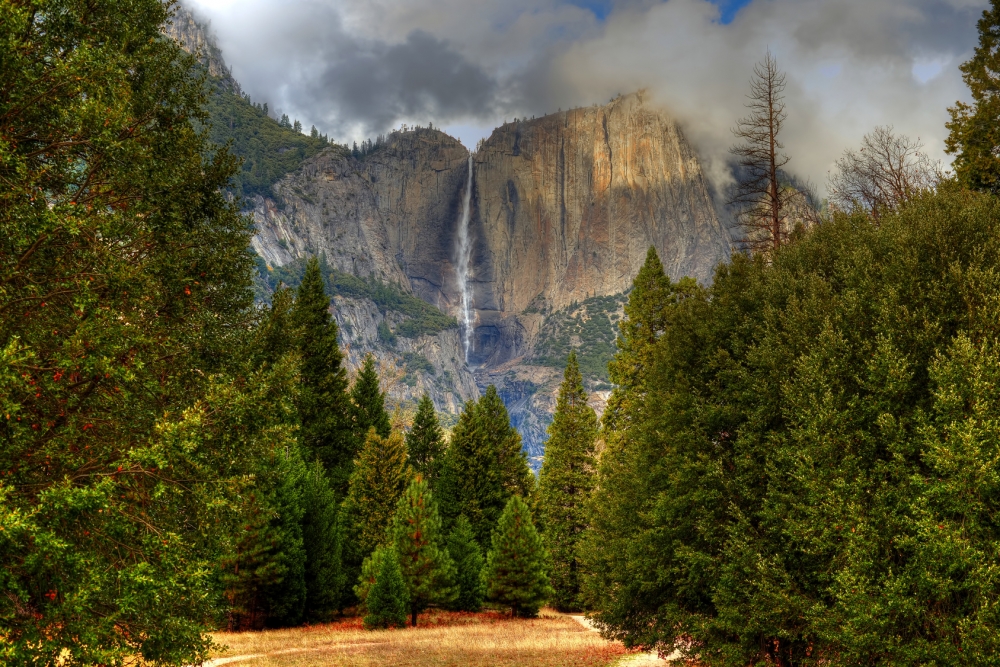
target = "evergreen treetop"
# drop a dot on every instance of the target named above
(323, 402)
(483, 465)
(974, 137)
(565, 484)
(425, 442)
(368, 401)
(379, 479)
(516, 565)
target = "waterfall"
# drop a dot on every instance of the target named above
(463, 250)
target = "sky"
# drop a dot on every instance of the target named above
(357, 68)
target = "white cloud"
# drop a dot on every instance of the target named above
(356, 67)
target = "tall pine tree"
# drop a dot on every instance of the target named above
(468, 559)
(324, 576)
(516, 566)
(483, 466)
(974, 137)
(425, 442)
(323, 404)
(565, 484)
(415, 533)
(378, 481)
(620, 502)
(368, 402)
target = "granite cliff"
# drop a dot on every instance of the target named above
(562, 211)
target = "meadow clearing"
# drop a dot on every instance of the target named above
(441, 639)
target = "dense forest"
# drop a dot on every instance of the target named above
(797, 464)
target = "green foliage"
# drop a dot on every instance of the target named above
(483, 465)
(124, 300)
(516, 565)
(368, 401)
(468, 559)
(422, 317)
(974, 137)
(268, 149)
(415, 533)
(425, 442)
(813, 478)
(324, 407)
(565, 484)
(385, 596)
(588, 329)
(378, 481)
(321, 535)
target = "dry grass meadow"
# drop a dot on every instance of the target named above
(441, 639)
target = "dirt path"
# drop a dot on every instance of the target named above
(638, 660)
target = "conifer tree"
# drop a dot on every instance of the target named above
(644, 322)
(368, 401)
(324, 577)
(620, 502)
(416, 536)
(323, 405)
(468, 559)
(974, 137)
(385, 599)
(483, 465)
(565, 483)
(516, 565)
(425, 442)
(378, 481)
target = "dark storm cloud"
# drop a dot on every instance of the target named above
(373, 84)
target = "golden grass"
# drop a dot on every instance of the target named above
(442, 639)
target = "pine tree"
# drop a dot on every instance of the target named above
(974, 137)
(425, 442)
(324, 576)
(415, 533)
(644, 322)
(516, 565)
(323, 405)
(378, 481)
(468, 559)
(264, 574)
(368, 401)
(620, 503)
(565, 484)
(385, 598)
(483, 465)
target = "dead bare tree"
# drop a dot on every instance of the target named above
(887, 171)
(758, 196)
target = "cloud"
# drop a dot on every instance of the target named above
(358, 67)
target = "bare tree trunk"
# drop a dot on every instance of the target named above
(758, 197)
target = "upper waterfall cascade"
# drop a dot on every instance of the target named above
(463, 248)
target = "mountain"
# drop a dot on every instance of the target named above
(561, 211)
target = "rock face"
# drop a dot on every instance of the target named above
(563, 208)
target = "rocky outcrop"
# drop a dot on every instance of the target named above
(195, 39)
(411, 366)
(570, 203)
(564, 208)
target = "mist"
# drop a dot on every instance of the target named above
(356, 68)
